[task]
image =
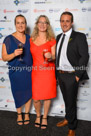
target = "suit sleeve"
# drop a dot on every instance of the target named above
(82, 46)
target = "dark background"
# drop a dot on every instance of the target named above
(9, 127)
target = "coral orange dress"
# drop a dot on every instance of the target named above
(43, 75)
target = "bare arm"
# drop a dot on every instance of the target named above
(53, 52)
(8, 57)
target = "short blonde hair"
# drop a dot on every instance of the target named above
(49, 32)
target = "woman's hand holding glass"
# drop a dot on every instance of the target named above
(19, 51)
(47, 56)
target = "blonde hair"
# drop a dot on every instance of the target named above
(49, 32)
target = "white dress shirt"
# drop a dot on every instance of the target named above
(64, 63)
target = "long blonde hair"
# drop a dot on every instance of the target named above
(49, 32)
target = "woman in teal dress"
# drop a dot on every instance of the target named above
(20, 65)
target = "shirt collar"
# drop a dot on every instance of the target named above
(68, 33)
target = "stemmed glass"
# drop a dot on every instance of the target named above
(20, 46)
(45, 59)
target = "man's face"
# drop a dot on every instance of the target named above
(66, 23)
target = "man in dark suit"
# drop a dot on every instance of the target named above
(71, 61)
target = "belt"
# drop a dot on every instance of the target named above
(61, 71)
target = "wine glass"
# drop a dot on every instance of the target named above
(20, 46)
(45, 59)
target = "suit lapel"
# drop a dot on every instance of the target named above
(71, 37)
(57, 40)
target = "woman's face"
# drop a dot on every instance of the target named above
(20, 24)
(42, 24)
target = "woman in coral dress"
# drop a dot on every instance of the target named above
(43, 73)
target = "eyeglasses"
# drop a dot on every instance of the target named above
(44, 23)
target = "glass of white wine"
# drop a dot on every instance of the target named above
(20, 46)
(45, 59)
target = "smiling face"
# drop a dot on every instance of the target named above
(66, 23)
(42, 24)
(20, 24)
